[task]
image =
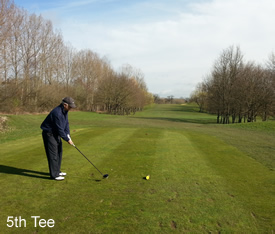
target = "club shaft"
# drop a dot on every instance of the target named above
(88, 160)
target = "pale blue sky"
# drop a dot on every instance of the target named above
(174, 42)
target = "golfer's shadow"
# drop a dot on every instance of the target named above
(24, 172)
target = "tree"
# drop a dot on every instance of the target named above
(199, 96)
(236, 89)
(37, 70)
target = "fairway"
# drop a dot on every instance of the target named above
(204, 177)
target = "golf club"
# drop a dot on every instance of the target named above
(104, 176)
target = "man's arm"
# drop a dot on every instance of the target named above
(58, 125)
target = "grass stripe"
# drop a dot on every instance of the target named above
(248, 180)
(192, 191)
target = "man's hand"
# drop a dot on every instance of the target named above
(70, 142)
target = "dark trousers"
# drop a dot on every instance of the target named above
(53, 148)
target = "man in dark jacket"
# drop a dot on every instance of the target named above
(56, 127)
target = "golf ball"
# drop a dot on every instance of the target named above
(148, 177)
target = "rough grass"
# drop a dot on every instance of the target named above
(204, 177)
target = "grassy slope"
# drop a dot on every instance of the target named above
(204, 177)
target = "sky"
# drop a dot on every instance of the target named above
(173, 42)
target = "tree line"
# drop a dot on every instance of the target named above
(238, 91)
(38, 69)
(169, 100)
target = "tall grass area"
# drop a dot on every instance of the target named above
(205, 178)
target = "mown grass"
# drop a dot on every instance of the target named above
(204, 177)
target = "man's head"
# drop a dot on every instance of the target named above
(68, 103)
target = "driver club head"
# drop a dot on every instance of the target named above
(105, 176)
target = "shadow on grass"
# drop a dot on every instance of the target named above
(24, 172)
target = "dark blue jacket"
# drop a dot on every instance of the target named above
(57, 123)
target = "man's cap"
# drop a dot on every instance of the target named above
(69, 101)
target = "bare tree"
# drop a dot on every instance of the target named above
(37, 69)
(223, 78)
(200, 96)
(269, 104)
(238, 90)
(6, 17)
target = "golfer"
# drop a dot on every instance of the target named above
(55, 127)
